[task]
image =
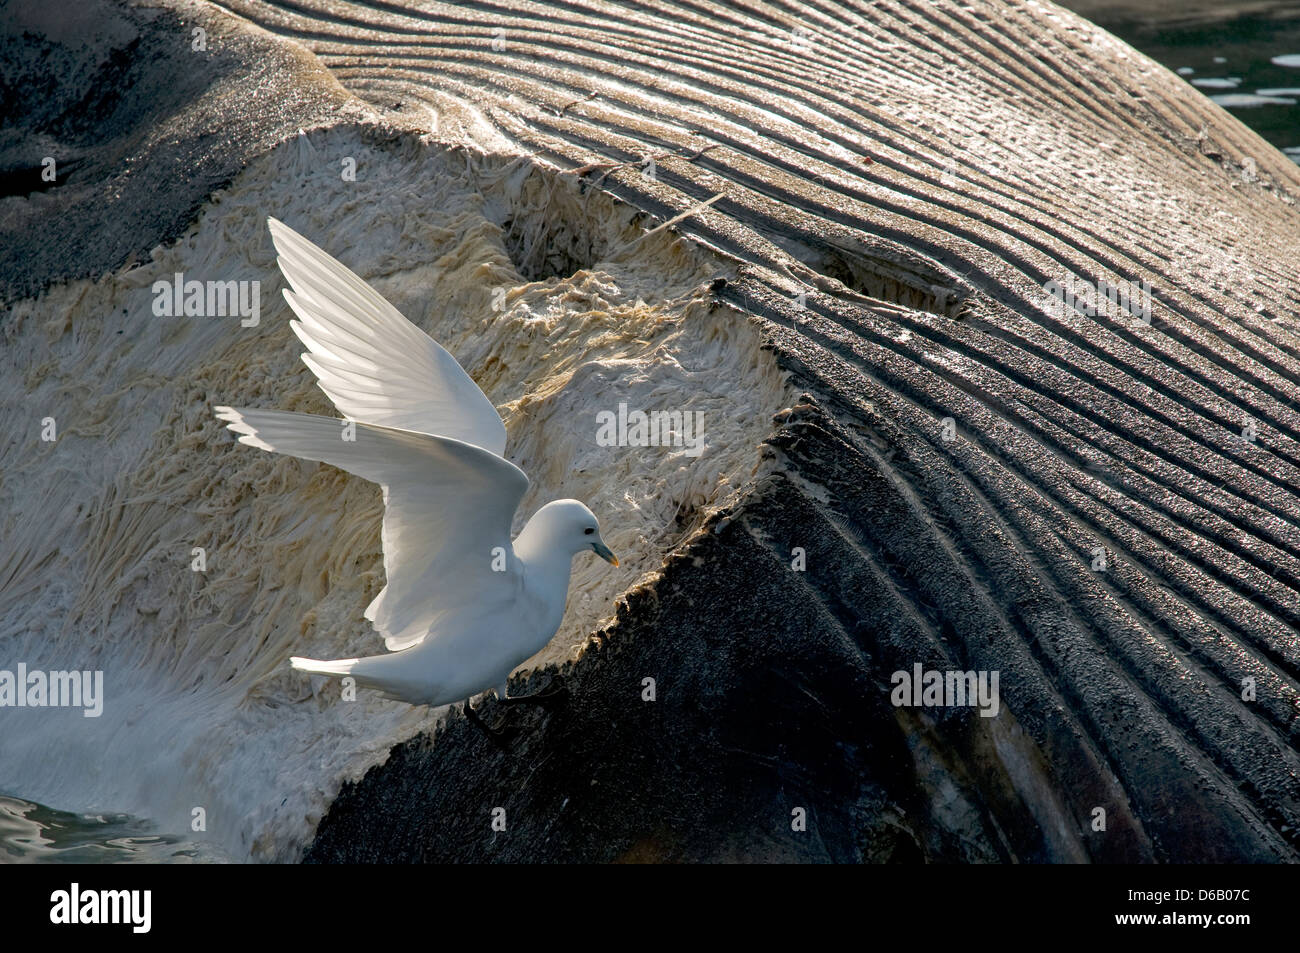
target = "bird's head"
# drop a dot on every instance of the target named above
(569, 524)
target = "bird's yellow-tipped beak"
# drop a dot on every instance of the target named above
(605, 553)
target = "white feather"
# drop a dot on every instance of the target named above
(448, 506)
(371, 362)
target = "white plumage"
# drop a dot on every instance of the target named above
(463, 604)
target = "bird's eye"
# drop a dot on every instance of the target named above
(588, 531)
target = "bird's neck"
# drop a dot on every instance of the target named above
(544, 561)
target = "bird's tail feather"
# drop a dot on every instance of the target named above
(336, 667)
(382, 673)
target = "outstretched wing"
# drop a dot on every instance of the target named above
(374, 364)
(448, 507)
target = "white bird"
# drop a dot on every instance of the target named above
(463, 604)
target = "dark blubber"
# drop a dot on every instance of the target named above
(142, 127)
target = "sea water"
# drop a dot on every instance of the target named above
(34, 833)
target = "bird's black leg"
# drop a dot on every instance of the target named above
(472, 716)
(552, 696)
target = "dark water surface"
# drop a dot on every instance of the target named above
(31, 833)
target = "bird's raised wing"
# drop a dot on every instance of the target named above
(375, 365)
(448, 507)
